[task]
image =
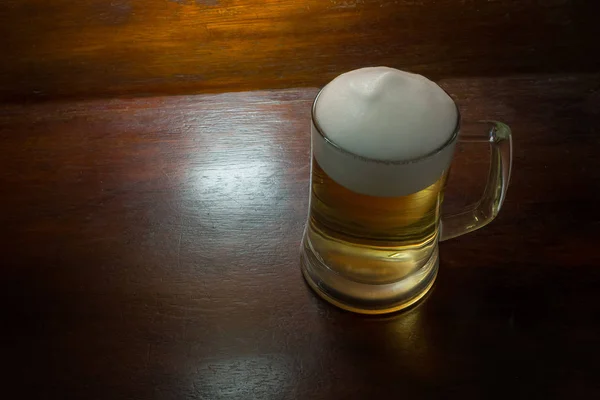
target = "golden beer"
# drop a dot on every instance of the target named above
(395, 235)
(382, 142)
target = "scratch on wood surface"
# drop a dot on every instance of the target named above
(197, 2)
(303, 168)
(148, 354)
(115, 12)
(166, 175)
(179, 247)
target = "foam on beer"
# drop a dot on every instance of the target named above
(391, 116)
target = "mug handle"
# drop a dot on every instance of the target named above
(486, 209)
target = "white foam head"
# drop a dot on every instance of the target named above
(402, 122)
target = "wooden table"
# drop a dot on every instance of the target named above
(150, 251)
(66, 49)
(151, 217)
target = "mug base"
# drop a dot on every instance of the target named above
(365, 298)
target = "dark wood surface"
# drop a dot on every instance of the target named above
(106, 48)
(150, 251)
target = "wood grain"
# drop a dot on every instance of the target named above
(107, 48)
(150, 251)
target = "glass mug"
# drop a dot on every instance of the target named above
(377, 254)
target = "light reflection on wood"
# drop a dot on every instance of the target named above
(97, 48)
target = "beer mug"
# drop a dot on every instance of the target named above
(374, 224)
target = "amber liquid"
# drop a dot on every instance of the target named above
(372, 239)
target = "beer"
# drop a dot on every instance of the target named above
(382, 142)
(372, 239)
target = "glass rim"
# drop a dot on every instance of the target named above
(450, 141)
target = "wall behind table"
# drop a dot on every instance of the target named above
(103, 48)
